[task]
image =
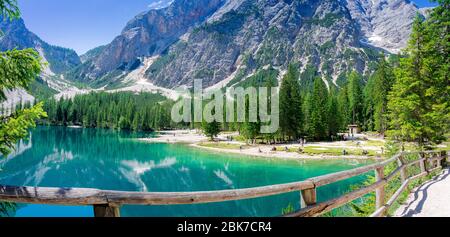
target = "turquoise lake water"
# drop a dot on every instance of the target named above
(111, 160)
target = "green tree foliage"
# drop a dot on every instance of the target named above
(419, 102)
(355, 97)
(291, 104)
(9, 8)
(369, 106)
(319, 111)
(18, 69)
(250, 130)
(124, 110)
(306, 111)
(15, 126)
(334, 114)
(344, 107)
(211, 130)
(376, 93)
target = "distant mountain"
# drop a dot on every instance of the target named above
(93, 53)
(225, 42)
(16, 35)
(384, 23)
(148, 34)
(60, 60)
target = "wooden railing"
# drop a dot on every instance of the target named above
(107, 203)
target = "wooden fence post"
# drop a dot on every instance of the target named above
(444, 160)
(308, 197)
(106, 211)
(432, 161)
(400, 163)
(427, 163)
(379, 192)
(423, 167)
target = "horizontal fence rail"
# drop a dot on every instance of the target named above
(107, 203)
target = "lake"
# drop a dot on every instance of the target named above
(112, 160)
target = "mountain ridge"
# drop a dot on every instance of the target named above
(58, 59)
(321, 34)
(228, 42)
(17, 35)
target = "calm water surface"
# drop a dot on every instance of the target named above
(104, 159)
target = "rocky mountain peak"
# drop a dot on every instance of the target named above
(384, 23)
(225, 42)
(148, 34)
(16, 35)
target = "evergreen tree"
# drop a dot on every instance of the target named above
(124, 110)
(369, 106)
(290, 105)
(355, 97)
(269, 137)
(250, 130)
(419, 102)
(344, 107)
(318, 120)
(383, 80)
(211, 130)
(334, 114)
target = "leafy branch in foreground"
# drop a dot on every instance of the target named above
(18, 69)
(15, 126)
(9, 8)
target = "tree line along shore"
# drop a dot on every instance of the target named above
(406, 99)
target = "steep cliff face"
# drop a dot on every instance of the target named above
(58, 59)
(146, 35)
(384, 23)
(224, 42)
(253, 35)
(16, 35)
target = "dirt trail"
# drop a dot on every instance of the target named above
(429, 200)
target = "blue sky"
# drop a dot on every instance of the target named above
(80, 24)
(85, 24)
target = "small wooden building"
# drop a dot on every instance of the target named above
(354, 129)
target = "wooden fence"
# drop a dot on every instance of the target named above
(107, 203)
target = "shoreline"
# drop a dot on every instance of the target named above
(194, 139)
(266, 153)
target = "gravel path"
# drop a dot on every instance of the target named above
(432, 199)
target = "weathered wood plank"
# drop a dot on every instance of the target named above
(444, 159)
(402, 166)
(394, 173)
(434, 169)
(91, 196)
(339, 176)
(414, 162)
(324, 207)
(175, 198)
(62, 196)
(308, 197)
(423, 167)
(379, 192)
(381, 211)
(396, 195)
(105, 210)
